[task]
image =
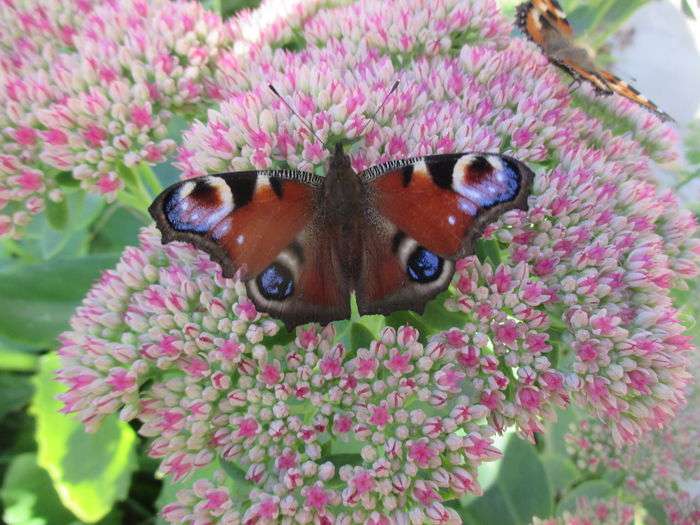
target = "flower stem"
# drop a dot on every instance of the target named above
(17, 361)
(133, 202)
(135, 195)
(150, 177)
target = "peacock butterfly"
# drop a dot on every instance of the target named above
(545, 23)
(303, 243)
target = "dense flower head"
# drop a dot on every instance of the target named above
(286, 414)
(104, 103)
(658, 467)
(32, 32)
(594, 512)
(567, 302)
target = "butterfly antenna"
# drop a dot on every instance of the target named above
(306, 124)
(370, 120)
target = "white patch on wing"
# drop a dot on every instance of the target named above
(496, 162)
(225, 198)
(203, 218)
(406, 247)
(183, 193)
(420, 169)
(287, 259)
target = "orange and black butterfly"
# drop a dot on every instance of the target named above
(545, 23)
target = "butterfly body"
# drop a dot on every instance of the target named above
(303, 243)
(544, 22)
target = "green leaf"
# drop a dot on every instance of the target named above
(57, 213)
(15, 392)
(524, 480)
(116, 228)
(692, 142)
(554, 438)
(436, 318)
(655, 509)
(37, 300)
(494, 503)
(488, 250)
(593, 489)
(487, 474)
(233, 471)
(360, 332)
(520, 491)
(360, 336)
(72, 237)
(89, 471)
(169, 490)
(561, 472)
(65, 179)
(687, 9)
(28, 496)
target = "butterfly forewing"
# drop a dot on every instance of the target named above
(622, 88)
(243, 219)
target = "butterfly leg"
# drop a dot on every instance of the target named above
(574, 85)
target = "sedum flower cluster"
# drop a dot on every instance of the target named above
(88, 89)
(594, 512)
(383, 420)
(660, 467)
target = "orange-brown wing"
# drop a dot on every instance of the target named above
(623, 89)
(260, 224)
(428, 212)
(552, 11)
(545, 23)
(305, 282)
(538, 17)
(242, 219)
(591, 75)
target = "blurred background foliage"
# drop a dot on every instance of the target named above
(53, 473)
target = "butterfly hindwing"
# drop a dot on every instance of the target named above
(430, 210)
(397, 272)
(304, 283)
(260, 224)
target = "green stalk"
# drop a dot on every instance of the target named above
(135, 195)
(687, 179)
(16, 361)
(149, 176)
(133, 203)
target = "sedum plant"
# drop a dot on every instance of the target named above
(377, 419)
